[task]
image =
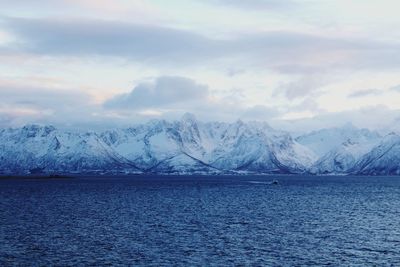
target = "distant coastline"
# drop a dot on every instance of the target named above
(34, 176)
(143, 175)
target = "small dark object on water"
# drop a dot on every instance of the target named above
(275, 182)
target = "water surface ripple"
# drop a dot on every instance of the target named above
(200, 221)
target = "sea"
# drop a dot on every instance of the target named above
(196, 220)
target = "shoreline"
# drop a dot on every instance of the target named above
(143, 175)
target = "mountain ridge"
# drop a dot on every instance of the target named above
(189, 146)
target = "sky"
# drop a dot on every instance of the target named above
(297, 64)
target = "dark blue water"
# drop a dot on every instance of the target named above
(200, 221)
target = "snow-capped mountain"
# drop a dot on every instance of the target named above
(157, 146)
(342, 159)
(339, 148)
(383, 159)
(191, 146)
(327, 140)
(214, 146)
(38, 148)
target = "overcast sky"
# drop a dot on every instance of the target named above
(296, 64)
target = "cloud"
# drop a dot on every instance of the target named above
(171, 96)
(231, 72)
(166, 91)
(25, 95)
(300, 88)
(366, 117)
(260, 112)
(166, 97)
(22, 102)
(5, 120)
(395, 88)
(255, 4)
(108, 38)
(134, 10)
(366, 92)
(282, 51)
(308, 104)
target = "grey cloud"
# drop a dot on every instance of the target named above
(235, 71)
(278, 50)
(163, 92)
(108, 38)
(260, 112)
(22, 103)
(366, 92)
(307, 104)
(300, 88)
(176, 95)
(170, 95)
(40, 97)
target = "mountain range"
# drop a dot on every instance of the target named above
(189, 146)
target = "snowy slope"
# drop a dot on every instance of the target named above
(326, 140)
(384, 159)
(36, 147)
(183, 146)
(342, 159)
(191, 146)
(257, 147)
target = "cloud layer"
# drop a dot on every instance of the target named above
(126, 61)
(283, 51)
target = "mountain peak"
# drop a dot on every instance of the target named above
(189, 146)
(188, 117)
(349, 126)
(33, 129)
